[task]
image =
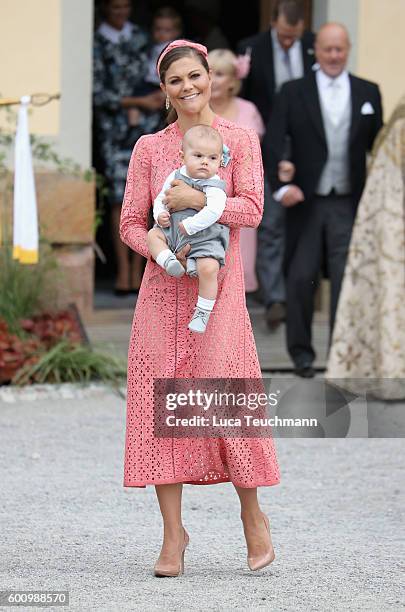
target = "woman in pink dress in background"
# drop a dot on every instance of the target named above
(161, 346)
(227, 70)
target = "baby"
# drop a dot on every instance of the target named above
(201, 154)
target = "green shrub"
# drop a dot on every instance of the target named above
(25, 289)
(68, 362)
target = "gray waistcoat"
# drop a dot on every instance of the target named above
(336, 172)
(201, 184)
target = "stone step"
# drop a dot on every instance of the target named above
(111, 328)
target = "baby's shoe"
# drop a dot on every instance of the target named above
(173, 267)
(199, 320)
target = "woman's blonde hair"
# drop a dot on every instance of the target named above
(225, 60)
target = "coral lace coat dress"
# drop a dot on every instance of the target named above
(161, 345)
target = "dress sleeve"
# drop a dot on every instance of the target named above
(158, 206)
(137, 200)
(257, 122)
(245, 208)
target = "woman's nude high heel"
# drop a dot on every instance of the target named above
(172, 570)
(256, 563)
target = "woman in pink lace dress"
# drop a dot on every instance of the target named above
(226, 74)
(161, 345)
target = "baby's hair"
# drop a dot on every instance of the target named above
(202, 131)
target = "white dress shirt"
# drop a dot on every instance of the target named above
(113, 35)
(216, 200)
(289, 64)
(333, 95)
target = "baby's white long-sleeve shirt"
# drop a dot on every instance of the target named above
(216, 200)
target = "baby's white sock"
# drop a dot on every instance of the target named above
(163, 257)
(205, 304)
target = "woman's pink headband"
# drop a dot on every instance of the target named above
(181, 43)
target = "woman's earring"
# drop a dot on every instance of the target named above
(167, 104)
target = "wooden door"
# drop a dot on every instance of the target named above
(266, 10)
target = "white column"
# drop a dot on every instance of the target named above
(343, 11)
(76, 80)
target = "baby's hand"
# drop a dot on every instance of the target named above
(182, 229)
(164, 219)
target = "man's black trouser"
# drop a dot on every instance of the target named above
(326, 231)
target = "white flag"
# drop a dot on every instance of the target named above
(25, 218)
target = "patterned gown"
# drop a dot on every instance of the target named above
(161, 346)
(367, 351)
(118, 71)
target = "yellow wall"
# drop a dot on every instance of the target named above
(45, 46)
(381, 47)
(30, 41)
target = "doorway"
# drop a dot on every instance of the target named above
(243, 20)
(197, 17)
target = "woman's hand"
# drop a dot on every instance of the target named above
(182, 254)
(181, 196)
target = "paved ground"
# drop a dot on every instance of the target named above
(67, 522)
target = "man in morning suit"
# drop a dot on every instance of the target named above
(332, 119)
(278, 55)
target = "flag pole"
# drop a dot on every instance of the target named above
(25, 218)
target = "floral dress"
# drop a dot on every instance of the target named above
(118, 71)
(161, 345)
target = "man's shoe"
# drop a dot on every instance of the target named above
(305, 371)
(275, 315)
